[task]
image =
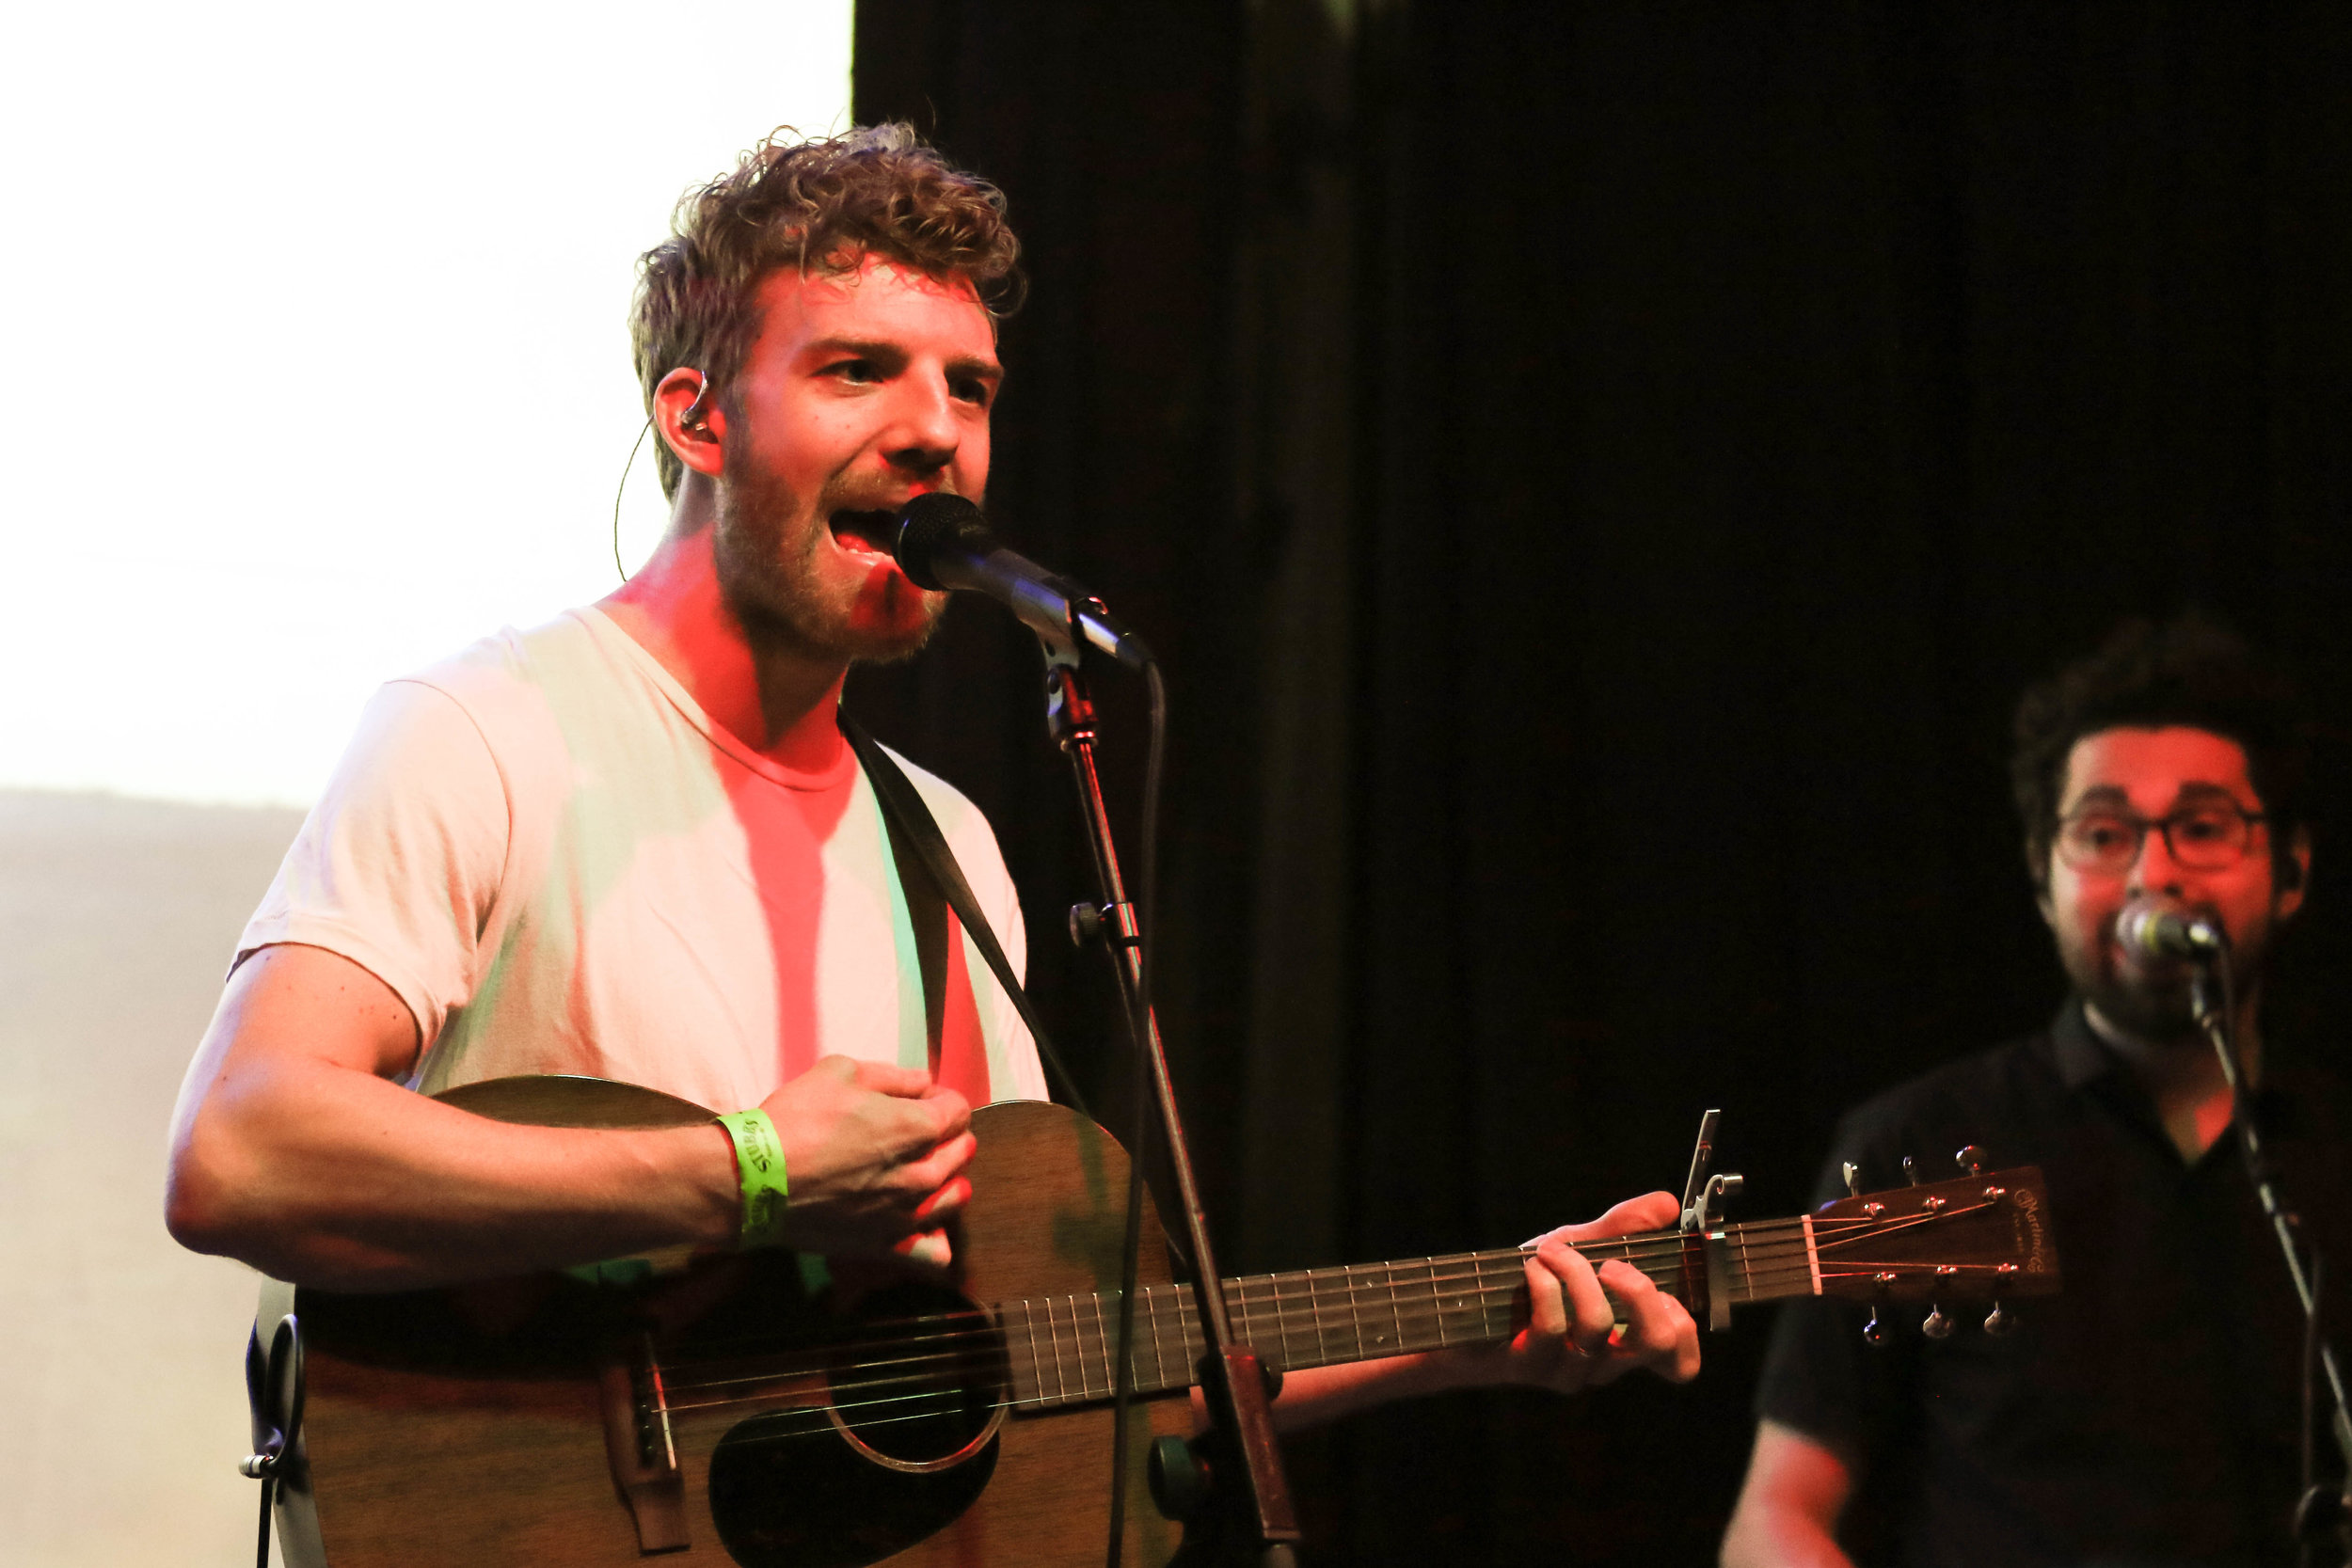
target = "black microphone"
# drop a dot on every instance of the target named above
(941, 543)
(2157, 932)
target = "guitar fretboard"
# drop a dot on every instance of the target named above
(1061, 1348)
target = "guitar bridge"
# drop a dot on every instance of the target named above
(639, 1444)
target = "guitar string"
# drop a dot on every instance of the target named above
(781, 1426)
(1092, 1351)
(1382, 1296)
(1761, 1270)
(1667, 1250)
(943, 1398)
(1380, 1279)
(1087, 1346)
(1319, 1319)
(1091, 1355)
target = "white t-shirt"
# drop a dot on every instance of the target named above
(561, 864)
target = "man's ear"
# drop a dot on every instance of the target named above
(2294, 875)
(2039, 877)
(690, 420)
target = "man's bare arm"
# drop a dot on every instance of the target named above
(1788, 1512)
(1568, 1343)
(294, 1150)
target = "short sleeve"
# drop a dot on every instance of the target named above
(399, 863)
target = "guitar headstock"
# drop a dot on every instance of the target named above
(1976, 1238)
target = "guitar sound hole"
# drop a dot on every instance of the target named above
(924, 1382)
(907, 1443)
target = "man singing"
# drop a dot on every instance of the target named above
(633, 843)
(2149, 1414)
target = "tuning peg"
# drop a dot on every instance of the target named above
(1938, 1326)
(1853, 1180)
(1910, 1172)
(1970, 1161)
(2001, 1320)
(1874, 1332)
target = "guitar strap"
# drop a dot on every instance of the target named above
(934, 884)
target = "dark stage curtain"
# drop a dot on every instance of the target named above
(1599, 476)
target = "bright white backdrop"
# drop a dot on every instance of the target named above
(319, 366)
(317, 369)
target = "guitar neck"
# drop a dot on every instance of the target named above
(1062, 1347)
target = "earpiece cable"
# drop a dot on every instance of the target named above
(618, 491)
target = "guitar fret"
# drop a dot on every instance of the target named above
(1159, 1355)
(1110, 1348)
(1086, 1358)
(1354, 1308)
(1396, 1314)
(1053, 1329)
(1469, 1316)
(1036, 1392)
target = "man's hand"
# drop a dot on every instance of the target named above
(873, 1157)
(1569, 1342)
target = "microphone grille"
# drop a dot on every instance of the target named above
(935, 522)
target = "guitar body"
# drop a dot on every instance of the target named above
(814, 1420)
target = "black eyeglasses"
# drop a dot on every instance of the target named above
(2210, 836)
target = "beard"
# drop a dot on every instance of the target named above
(2149, 999)
(2150, 1003)
(772, 575)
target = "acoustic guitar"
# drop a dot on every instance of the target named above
(763, 1410)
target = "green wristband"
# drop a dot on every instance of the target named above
(760, 1164)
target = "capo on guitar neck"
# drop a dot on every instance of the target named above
(1703, 1198)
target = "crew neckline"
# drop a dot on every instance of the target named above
(610, 634)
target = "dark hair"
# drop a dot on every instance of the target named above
(2188, 671)
(821, 205)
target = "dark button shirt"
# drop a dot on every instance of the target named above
(2150, 1413)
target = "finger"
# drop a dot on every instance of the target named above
(953, 1111)
(950, 1197)
(943, 1165)
(1658, 1333)
(925, 1246)
(1590, 1316)
(907, 1082)
(1547, 1308)
(1650, 1212)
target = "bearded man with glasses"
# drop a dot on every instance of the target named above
(2150, 1414)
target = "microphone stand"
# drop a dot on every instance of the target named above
(2213, 1001)
(1248, 1513)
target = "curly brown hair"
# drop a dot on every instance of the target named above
(2190, 671)
(817, 204)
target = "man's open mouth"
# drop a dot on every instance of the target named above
(872, 533)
